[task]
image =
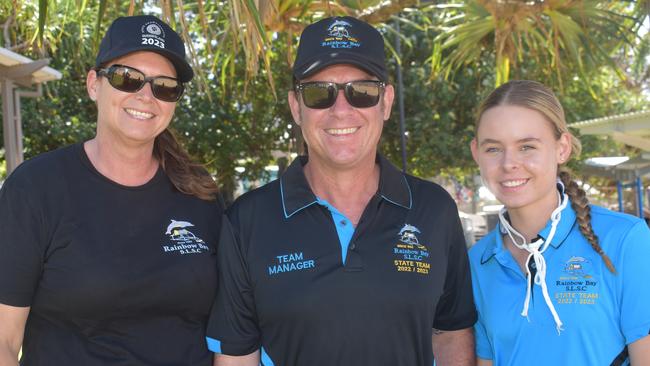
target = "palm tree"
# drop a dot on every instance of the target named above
(223, 28)
(555, 33)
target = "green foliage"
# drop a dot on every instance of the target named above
(229, 117)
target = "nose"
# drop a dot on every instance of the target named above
(341, 105)
(146, 93)
(511, 160)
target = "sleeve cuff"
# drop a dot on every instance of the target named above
(214, 345)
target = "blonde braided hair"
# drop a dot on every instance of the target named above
(580, 205)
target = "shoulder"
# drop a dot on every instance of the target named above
(606, 221)
(478, 249)
(260, 198)
(623, 237)
(45, 167)
(426, 192)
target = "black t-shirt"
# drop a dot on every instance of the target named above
(114, 275)
(284, 287)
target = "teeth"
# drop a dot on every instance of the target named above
(341, 131)
(514, 183)
(138, 114)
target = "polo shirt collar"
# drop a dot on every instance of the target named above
(393, 186)
(562, 231)
(297, 195)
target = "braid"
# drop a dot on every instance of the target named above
(580, 205)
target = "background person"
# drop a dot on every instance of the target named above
(108, 246)
(559, 281)
(344, 260)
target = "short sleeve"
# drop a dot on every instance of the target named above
(21, 244)
(232, 327)
(455, 309)
(635, 272)
(483, 347)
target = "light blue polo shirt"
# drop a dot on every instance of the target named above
(601, 312)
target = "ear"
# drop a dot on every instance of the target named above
(563, 151)
(473, 146)
(294, 105)
(92, 84)
(389, 96)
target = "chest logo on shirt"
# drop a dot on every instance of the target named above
(290, 262)
(576, 285)
(182, 240)
(409, 254)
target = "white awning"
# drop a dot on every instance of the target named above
(632, 129)
(10, 58)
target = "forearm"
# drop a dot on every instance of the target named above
(454, 348)
(252, 359)
(8, 356)
(12, 330)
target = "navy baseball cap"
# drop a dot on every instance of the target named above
(144, 33)
(340, 40)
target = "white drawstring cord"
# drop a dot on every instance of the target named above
(536, 249)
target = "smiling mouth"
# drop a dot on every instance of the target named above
(341, 131)
(514, 183)
(138, 114)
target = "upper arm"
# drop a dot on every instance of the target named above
(252, 359)
(633, 274)
(455, 308)
(13, 321)
(233, 326)
(23, 244)
(483, 346)
(454, 348)
(640, 351)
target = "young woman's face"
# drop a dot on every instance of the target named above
(518, 155)
(132, 118)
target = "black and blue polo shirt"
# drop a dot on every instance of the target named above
(299, 282)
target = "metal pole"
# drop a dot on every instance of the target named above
(18, 94)
(639, 191)
(400, 95)
(619, 188)
(8, 125)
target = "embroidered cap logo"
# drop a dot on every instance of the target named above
(154, 29)
(338, 36)
(153, 34)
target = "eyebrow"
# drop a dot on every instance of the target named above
(524, 140)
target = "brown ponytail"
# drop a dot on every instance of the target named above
(580, 205)
(187, 176)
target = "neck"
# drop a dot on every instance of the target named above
(349, 190)
(529, 221)
(126, 165)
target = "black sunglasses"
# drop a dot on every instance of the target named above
(323, 94)
(130, 80)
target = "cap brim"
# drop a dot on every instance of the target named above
(319, 62)
(183, 69)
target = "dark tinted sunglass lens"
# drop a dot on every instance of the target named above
(362, 94)
(318, 96)
(167, 89)
(126, 79)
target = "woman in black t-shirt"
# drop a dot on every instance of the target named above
(107, 247)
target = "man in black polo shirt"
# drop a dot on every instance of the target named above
(344, 260)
